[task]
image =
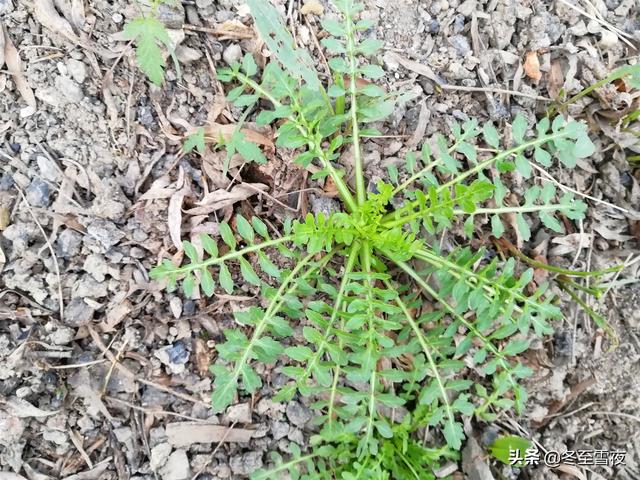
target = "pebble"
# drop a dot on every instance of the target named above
(6, 6)
(62, 336)
(78, 313)
(177, 466)
(460, 44)
(232, 54)
(298, 414)
(59, 438)
(159, 455)
(6, 182)
(38, 193)
(48, 169)
(172, 14)
(77, 70)
(117, 18)
(69, 89)
(467, 7)
(246, 464)
(240, 413)
(96, 266)
(608, 39)
(68, 243)
(105, 232)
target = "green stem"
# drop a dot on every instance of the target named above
(478, 168)
(229, 256)
(563, 271)
(274, 306)
(282, 467)
(425, 348)
(337, 305)
(485, 341)
(616, 74)
(312, 144)
(361, 193)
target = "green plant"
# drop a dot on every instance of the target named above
(374, 346)
(149, 33)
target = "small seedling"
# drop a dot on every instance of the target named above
(393, 325)
(149, 33)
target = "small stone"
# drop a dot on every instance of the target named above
(105, 232)
(6, 6)
(232, 54)
(467, 7)
(298, 414)
(123, 434)
(434, 26)
(240, 413)
(117, 18)
(48, 169)
(171, 14)
(69, 89)
(204, 3)
(173, 356)
(78, 313)
(38, 193)
(324, 205)
(55, 436)
(390, 62)
(279, 430)
(159, 455)
(187, 54)
(246, 464)
(175, 304)
(608, 39)
(6, 182)
(145, 115)
(460, 44)
(177, 467)
(68, 243)
(62, 336)
(96, 266)
(77, 70)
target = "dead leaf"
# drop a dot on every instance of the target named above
(5, 217)
(421, 127)
(234, 29)
(14, 65)
(183, 434)
(175, 217)
(570, 243)
(532, 66)
(571, 470)
(45, 12)
(115, 315)
(416, 67)
(555, 82)
(312, 7)
(202, 355)
(20, 408)
(222, 198)
(214, 131)
(11, 476)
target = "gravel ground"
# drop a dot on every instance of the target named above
(103, 375)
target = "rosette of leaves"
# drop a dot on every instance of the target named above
(392, 325)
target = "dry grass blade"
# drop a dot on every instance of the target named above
(14, 65)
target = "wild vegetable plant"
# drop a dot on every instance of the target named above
(150, 34)
(400, 334)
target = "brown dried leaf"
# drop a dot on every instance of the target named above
(416, 67)
(213, 132)
(175, 217)
(571, 470)
(222, 198)
(202, 355)
(183, 434)
(532, 66)
(14, 65)
(312, 7)
(46, 13)
(115, 315)
(556, 79)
